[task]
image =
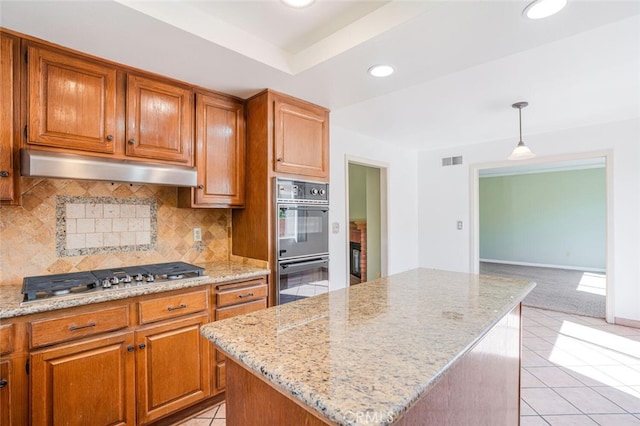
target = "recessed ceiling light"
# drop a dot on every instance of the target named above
(381, 70)
(298, 3)
(542, 8)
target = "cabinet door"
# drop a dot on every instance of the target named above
(172, 371)
(88, 382)
(220, 152)
(159, 120)
(72, 102)
(9, 96)
(301, 140)
(6, 383)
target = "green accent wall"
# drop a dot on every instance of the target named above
(357, 192)
(553, 218)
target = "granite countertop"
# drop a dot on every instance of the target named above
(373, 347)
(11, 304)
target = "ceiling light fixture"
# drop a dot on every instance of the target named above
(521, 152)
(539, 9)
(298, 3)
(381, 70)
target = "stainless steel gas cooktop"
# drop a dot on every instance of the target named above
(50, 286)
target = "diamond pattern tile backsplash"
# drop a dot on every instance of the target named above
(28, 240)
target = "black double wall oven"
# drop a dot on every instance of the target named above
(302, 243)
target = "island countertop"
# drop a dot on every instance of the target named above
(375, 347)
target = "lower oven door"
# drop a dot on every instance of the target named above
(302, 278)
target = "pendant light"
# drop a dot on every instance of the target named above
(521, 152)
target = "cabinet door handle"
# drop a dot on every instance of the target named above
(3, 383)
(130, 348)
(279, 159)
(142, 346)
(74, 327)
(4, 173)
(245, 295)
(173, 308)
(201, 186)
(109, 138)
(132, 141)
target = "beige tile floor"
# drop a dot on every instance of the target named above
(578, 371)
(575, 371)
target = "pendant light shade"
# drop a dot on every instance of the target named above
(521, 151)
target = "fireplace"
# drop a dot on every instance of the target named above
(355, 262)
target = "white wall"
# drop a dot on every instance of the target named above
(444, 198)
(402, 218)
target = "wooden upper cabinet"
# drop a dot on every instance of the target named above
(72, 101)
(301, 139)
(159, 120)
(9, 112)
(220, 153)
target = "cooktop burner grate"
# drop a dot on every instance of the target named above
(47, 286)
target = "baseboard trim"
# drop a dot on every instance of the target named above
(544, 265)
(627, 322)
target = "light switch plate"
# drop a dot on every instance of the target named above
(459, 224)
(335, 227)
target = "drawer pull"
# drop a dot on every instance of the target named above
(130, 348)
(4, 173)
(241, 296)
(142, 346)
(173, 308)
(80, 327)
(3, 383)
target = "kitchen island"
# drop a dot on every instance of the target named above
(417, 348)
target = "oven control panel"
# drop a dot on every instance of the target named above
(298, 190)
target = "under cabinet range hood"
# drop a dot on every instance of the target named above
(71, 166)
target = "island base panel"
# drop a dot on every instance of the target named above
(483, 388)
(251, 401)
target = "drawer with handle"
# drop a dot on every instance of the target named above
(244, 308)
(248, 292)
(6, 338)
(172, 306)
(56, 330)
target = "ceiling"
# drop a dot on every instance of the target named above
(459, 64)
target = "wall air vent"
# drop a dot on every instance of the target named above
(452, 161)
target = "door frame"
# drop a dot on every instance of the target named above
(474, 220)
(384, 211)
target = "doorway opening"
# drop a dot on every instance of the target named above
(547, 220)
(367, 220)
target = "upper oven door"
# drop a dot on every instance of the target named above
(302, 230)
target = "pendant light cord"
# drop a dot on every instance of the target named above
(520, 121)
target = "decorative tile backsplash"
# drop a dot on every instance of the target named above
(29, 234)
(89, 225)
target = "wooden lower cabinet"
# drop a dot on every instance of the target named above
(6, 382)
(232, 300)
(172, 371)
(13, 391)
(84, 382)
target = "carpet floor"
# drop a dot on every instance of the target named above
(562, 290)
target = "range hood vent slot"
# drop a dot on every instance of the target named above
(70, 166)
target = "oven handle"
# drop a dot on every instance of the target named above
(307, 263)
(323, 209)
